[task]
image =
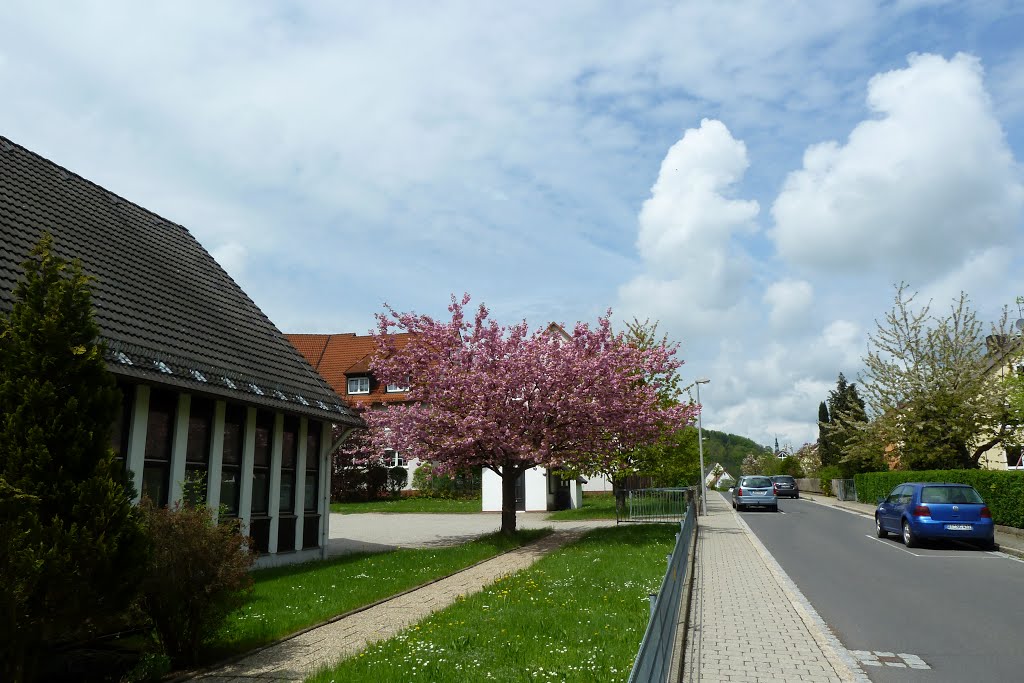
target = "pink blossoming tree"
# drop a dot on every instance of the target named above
(507, 399)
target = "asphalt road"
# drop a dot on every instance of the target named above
(959, 609)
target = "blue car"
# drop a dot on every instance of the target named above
(917, 511)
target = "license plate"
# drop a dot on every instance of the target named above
(959, 527)
(760, 493)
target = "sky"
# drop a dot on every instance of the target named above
(755, 176)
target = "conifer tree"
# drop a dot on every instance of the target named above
(72, 538)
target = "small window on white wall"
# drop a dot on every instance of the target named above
(392, 458)
(359, 385)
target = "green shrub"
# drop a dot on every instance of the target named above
(1002, 490)
(461, 484)
(397, 479)
(826, 475)
(198, 574)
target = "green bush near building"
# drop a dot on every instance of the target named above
(1002, 490)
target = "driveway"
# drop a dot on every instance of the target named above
(378, 532)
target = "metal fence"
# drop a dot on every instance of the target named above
(844, 489)
(654, 660)
(653, 505)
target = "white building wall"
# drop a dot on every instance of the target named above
(597, 483)
(535, 487)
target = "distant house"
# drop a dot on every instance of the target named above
(345, 361)
(717, 477)
(213, 392)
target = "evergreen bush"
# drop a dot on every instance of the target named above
(73, 545)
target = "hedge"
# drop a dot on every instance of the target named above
(1002, 490)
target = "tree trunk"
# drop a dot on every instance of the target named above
(509, 475)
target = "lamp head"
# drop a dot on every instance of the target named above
(702, 380)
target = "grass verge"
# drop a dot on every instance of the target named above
(595, 506)
(578, 614)
(410, 504)
(289, 599)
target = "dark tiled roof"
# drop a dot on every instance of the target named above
(168, 312)
(337, 355)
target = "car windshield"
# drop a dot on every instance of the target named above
(757, 482)
(950, 494)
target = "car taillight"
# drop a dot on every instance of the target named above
(986, 513)
(739, 492)
(775, 488)
(922, 511)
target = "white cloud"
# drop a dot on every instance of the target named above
(915, 190)
(694, 266)
(789, 303)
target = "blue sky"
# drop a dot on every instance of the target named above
(753, 175)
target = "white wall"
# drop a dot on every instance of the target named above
(598, 483)
(536, 485)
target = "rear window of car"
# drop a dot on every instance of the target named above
(950, 494)
(757, 482)
(784, 479)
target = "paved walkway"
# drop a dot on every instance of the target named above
(299, 657)
(748, 621)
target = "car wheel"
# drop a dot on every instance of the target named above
(988, 544)
(775, 508)
(909, 539)
(797, 496)
(879, 529)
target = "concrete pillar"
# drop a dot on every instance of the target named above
(300, 481)
(136, 457)
(274, 506)
(213, 478)
(248, 454)
(179, 447)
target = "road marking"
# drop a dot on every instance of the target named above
(890, 659)
(962, 555)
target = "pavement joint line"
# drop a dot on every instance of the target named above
(839, 657)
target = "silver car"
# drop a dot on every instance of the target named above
(754, 491)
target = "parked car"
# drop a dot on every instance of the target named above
(754, 491)
(785, 486)
(917, 511)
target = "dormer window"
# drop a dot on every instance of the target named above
(359, 385)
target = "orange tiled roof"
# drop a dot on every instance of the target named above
(334, 355)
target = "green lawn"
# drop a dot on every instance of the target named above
(411, 504)
(288, 599)
(595, 506)
(578, 614)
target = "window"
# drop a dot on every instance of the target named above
(156, 469)
(310, 500)
(231, 466)
(289, 454)
(359, 385)
(393, 458)
(397, 388)
(197, 450)
(1013, 456)
(261, 463)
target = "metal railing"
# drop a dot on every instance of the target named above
(844, 489)
(653, 505)
(654, 660)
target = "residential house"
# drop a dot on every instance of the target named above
(213, 393)
(345, 361)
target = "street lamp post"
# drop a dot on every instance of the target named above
(700, 449)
